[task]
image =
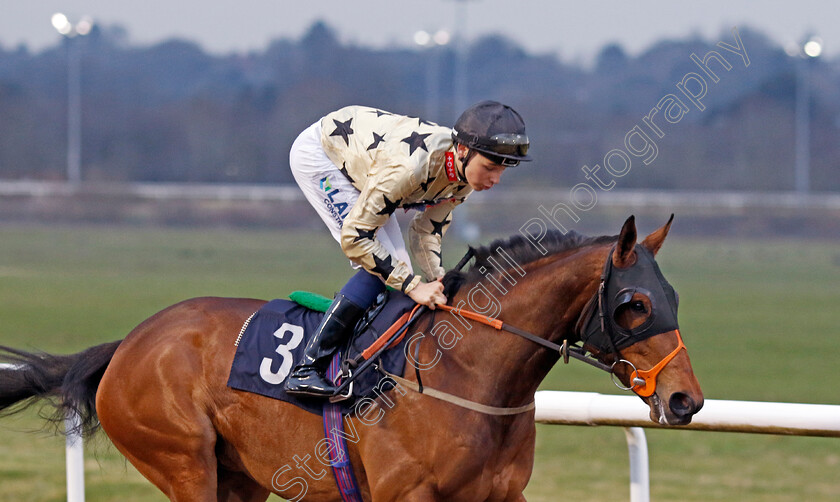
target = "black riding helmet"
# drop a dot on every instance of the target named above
(495, 130)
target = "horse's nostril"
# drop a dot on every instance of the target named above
(681, 404)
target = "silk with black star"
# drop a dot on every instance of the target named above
(383, 266)
(343, 129)
(376, 140)
(424, 185)
(415, 141)
(394, 161)
(364, 234)
(389, 206)
(437, 226)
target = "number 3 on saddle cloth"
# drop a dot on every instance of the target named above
(272, 342)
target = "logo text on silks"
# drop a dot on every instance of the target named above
(338, 210)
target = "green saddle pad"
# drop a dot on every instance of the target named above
(312, 301)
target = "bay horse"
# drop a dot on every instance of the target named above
(161, 396)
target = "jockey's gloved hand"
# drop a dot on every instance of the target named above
(428, 294)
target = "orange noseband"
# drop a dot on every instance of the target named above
(649, 376)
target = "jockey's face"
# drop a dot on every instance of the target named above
(481, 173)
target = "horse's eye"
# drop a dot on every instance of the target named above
(639, 306)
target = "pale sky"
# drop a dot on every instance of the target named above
(574, 31)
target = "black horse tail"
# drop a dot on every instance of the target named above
(69, 382)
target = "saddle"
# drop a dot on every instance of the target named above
(272, 340)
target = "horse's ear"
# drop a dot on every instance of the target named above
(654, 241)
(623, 256)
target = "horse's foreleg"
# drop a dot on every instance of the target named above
(237, 487)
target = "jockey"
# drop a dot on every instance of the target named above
(358, 165)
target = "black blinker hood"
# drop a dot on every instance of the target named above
(617, 288)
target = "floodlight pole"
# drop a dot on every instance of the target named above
(70, 33)
(802, 126)
(74, 113)
(806, 54)
(433, 44)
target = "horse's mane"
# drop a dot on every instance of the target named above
(520, 250)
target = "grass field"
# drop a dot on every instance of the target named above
(758, 317)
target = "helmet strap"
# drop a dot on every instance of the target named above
(464, 161)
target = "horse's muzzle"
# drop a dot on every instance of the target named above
(683, 406)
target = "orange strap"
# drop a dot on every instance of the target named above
(649, 376)
(370, 351)
(474, 316)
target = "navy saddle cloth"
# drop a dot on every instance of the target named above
(273, 342)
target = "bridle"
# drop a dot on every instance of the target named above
(599, 329)
(598, 312)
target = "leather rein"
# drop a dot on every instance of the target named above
(643, 381)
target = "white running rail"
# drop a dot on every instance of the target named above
(589, 408)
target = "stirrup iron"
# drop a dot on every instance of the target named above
(337, 398)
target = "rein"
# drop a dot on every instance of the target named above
(460, 401)
(643, 382)
(564, 350)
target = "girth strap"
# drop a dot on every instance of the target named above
(345, 479)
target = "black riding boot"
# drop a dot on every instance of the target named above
(308, 378)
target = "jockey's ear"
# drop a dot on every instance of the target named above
(624, 256)
(654, 241)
